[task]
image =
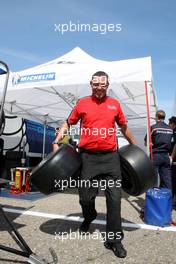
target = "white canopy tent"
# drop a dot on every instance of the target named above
(47, 93)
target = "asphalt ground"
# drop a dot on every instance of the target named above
(53, 222)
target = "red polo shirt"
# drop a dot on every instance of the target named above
(97, 122)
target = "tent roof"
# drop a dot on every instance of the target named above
(138, 69)
(75, 55)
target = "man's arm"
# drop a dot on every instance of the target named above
(128, 134)
(173, 155)
(62, 132)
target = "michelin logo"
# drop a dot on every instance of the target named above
(33, 78)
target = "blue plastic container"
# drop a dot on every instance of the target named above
(158, 207)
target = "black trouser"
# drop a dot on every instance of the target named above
(103, 168)
(162, 165)
(173, 172)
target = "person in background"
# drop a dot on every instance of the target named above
(98, 114)
(66, 139)
(161, 135)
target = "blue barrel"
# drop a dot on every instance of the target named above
(158, 207)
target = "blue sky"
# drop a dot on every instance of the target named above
(28, 35)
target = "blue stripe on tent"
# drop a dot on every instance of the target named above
(2, 71)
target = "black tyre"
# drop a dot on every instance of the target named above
(138, 172)
(57, 169)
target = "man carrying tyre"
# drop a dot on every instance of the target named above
(98, 115)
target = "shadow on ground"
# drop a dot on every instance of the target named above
(4, 226)
(61, 226)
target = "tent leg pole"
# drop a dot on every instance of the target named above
(4, 90)
(44, 140)
(149, 138)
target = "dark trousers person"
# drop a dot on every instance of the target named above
(161, 162)
(105, 167)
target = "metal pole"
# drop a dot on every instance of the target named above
(44, 137)
(149, 138)
(5, 88)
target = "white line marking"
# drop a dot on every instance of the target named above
(79, 219)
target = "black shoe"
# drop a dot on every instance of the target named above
(117, 248)
(84, 227)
